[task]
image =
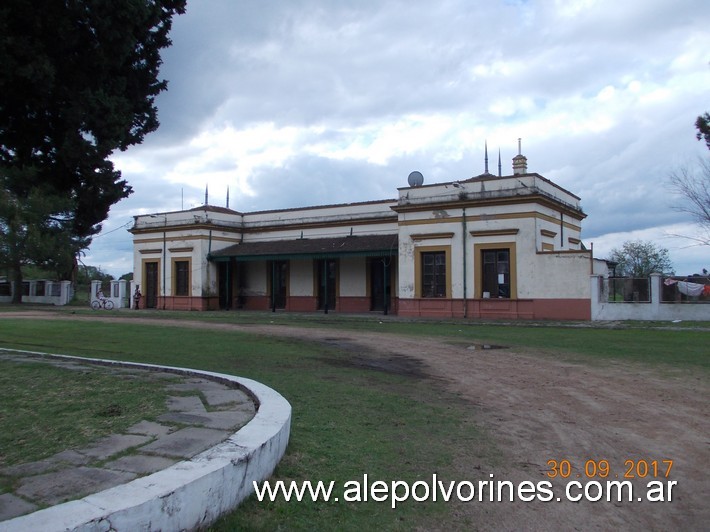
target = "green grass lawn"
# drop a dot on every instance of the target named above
(348, 421)
(682, 344)
(46, 409)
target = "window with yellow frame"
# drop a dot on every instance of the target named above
(495, 270)
(432, 272)
(181, 277)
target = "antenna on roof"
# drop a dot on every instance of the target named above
(228, 197)
(206, 203)
(500, 168)
(486, 158)
(520, 150)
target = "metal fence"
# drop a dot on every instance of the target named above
(693, 289)
(638, 290)
(626, 289)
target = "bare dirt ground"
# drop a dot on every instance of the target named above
(537, 408)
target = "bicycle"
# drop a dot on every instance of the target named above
(98, 304)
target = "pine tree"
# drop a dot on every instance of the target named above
(78, 81)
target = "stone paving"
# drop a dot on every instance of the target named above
(201, 414)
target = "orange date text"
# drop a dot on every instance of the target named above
(638, 468)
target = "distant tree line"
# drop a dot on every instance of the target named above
(636, 258)
(83, 274)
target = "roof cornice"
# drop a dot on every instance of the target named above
(491, 202)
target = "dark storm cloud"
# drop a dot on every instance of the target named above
(310, 101)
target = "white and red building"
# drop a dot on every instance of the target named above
(489, 246)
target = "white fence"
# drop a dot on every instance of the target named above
(39, 291)
(655, 307)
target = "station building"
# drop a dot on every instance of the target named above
(490, 246)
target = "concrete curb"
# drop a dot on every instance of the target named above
(190, 494)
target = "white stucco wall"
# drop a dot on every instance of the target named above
(555, 275)
(55, 292)
(183, 235)
(405, 275)
(301, 278)
(346, 212)
(255, 278)
(321, 222)
(353, 277)
(538, 275)
(516, 209)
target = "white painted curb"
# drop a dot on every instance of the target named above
(190, 494)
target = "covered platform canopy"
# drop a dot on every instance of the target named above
(310, 248)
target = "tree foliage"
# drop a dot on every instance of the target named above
(36, 226)
(637, 259)
(86, 274)
(78, 81)
(702, 124)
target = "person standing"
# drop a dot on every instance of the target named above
(137, 298)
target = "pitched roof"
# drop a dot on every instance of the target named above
(313, 248)
(212, 208)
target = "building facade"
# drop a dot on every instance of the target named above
(486, 247)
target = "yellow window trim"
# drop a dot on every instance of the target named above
(418, 268)
(495, 232)
(431, 236)
(478, 267)
(173, 276)
(144, 275)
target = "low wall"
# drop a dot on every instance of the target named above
(41, 292)
(190, 494)
(655, 309)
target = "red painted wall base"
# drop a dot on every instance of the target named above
(530, 309)
(511, 309)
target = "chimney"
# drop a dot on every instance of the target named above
(520, 162)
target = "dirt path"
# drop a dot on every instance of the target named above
(537, 408)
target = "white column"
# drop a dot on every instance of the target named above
(595, 291)
(656, 291)
(95, 286)
(66, 294)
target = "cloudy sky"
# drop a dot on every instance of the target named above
(307, 102)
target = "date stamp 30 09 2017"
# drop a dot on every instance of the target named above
(631, 469)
